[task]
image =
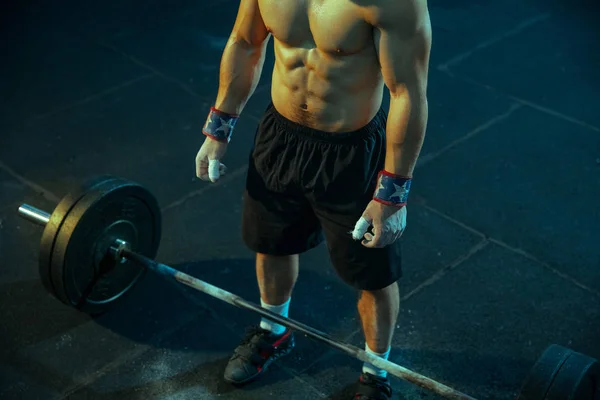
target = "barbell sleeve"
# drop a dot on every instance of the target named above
(33, 214)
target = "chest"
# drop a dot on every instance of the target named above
(330, 25)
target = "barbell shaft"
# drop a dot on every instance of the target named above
(354, 351)
(41, 217)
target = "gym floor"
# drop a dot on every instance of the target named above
(502, 255)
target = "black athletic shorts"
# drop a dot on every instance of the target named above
(305, 185)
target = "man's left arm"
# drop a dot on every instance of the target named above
(403, 43)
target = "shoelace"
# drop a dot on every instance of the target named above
(254, 336)
(252, 333)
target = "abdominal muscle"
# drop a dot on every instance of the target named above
(331, 92)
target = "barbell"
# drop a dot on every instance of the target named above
(103, 236)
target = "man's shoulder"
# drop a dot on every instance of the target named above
(385, 12)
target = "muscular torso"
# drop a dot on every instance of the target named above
(326, 74)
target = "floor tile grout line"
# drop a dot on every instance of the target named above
(77, 103)
(48, 195)
(452, 266)
(511, 248)
(296, 375)
(124, 358)
(494, 39)
(482, 244)
(555, 113)
(93, 97)
(229, 176)
(330, 351)
(208, 186)
(460, 260)
(453, 220)
(544, 264)
(51, 196)
(161, 23)
(172, 79)
(164, 76)
(526, 103)
(427, 158)
(429, 281)
(153, 70)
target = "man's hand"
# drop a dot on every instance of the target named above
(208, 160)
(388, 224)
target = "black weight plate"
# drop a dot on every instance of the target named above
(577, 379)
(114, 208)
(54, 224)
(543, 372)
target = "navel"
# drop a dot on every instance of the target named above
(304, 106)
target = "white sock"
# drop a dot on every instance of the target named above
(282, 309)
(370, 368)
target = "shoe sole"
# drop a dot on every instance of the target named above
(261, 372)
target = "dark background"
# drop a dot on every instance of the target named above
(502, 246)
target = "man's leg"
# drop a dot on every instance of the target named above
(276, 277)
(277, 224)
(378, 311)
(277, 228)
(339, 193)
(374, 273)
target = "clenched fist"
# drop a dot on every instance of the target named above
(388, 225)
(208, 160)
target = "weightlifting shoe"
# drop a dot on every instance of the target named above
(256, 352)
(371, 387)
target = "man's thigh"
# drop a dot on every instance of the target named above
(278, 225)
(360, 267)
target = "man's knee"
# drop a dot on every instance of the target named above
(390, 292)
(276, 259)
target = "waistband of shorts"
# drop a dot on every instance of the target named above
(373, 127)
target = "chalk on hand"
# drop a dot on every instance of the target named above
(213, 169)
(361, 227)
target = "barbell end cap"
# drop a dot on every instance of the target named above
(117, 250)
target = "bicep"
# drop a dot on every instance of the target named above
(249, 26)
(403, 44)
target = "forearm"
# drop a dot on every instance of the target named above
(240, 72)
(405, 132)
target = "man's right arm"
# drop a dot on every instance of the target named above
(242, 60)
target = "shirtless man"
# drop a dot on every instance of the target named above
(327, 161)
